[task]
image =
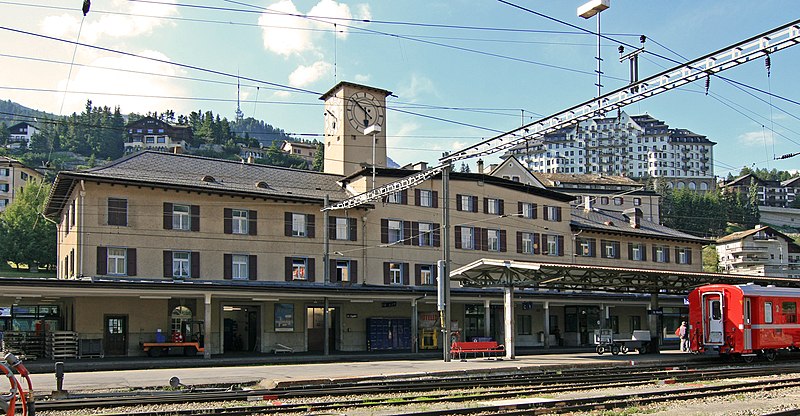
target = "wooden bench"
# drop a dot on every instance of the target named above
(462, 349)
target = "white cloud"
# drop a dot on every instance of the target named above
(139, 18)
(305, 75)
(362, 78)
(757, 138)
(417, 87)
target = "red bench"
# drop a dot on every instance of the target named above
(462, 349)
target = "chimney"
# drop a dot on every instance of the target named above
(251, 159)
(177, 150)
(480, 166)
(634, 216)
(587, 203)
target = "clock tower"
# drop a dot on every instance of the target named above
(350, 109)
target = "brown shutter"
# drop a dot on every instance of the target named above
(537, 243)
(227, 266)
(407, 233)
(437, 235)
(386, 279)
(560, 242)
(485, 205)
(332, 228)
(435, 199)
(485, 239)
(252, 266)
(310, 269)
(545, 247)
(630, 251)
(416, 197)
(519, 241)
(655, 256)
(457, 236)
(544, 213)
(404, 197)
(414, 233)
(227, 221)
(252, 219)
(353, 271)
(131, 258)
(617, 254)
(310, 226)
(167, 216)
(474, 204)
(195, 217)
(167, 263)
(287, 224)
(195, 265)
(459, 207)
(287, 262)
(519, 209)
(102, 260)
(405, 271)
(558, 214)
(534, 210)
(689, 256)
(592, 247)
(384, 230)
(503, 244)
(666, 254)
(352, 223)
(418, 274)
(644, 252)
(501, 207)
(677, 255)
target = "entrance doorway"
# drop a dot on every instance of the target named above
(241, 326)
(115, 335)
(580, 324)
(315, 325)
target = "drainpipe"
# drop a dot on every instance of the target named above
(80, 228)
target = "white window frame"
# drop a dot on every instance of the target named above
(493, 240)
(426, 274)
(618, 200)
(240, 221)
(683, 258)
(240, 267)
(299, 268)
(466, 203)
(493, 206)
(426, 198)
(396, 273)
(181, 264)
(467, 238)
(426, 234)
(552, 245)
(527, 210)
(636, 252)
(343, 270)
(117, 261)
(299, 225)
(527, 243)
(609, 250)
(661, 255)
(394, 198)
(181, 217)
(395, 231)
(552, 213)
(342, 228)
(586, 248)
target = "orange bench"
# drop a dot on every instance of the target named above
(462, 349)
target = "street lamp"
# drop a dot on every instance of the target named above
(373, 130)
(586, 11)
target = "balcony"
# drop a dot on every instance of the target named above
(747, 249)
(749, 259)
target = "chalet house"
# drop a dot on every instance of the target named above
(20, 135)
(152, 134)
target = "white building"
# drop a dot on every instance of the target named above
(20, 135)
(761, 251)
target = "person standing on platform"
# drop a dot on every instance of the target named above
(683, 334)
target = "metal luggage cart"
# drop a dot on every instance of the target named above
(604, 338)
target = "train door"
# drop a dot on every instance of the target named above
(712, 318)
(748, 336)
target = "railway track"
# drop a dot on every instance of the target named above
(436, 391)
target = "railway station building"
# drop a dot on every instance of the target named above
(156, 239)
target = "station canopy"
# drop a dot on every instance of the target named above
(554, 276)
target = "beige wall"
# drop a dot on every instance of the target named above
(649, 263)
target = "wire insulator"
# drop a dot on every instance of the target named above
(708, 83)
(768, 64)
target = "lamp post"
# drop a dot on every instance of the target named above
(373, 130)
(586, 11)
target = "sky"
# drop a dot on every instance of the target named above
(460, 71)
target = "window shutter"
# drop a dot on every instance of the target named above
(353, 225)
(167, 263)
(332, 271)
(195, 217)
(102, 260)
(227, 266)
(417, 274)
(228, 221)
(457, 236)
(459, 207)
(435, 199)
(655, 257)
(558, 214)
(592, 247)
(544, 213)
(534, 208)
(485, 205)
(537, 243)
(332, 228)
(484, 239)
(386, 279)
(252, 219)
(630, 251)
(503, 243)
(353, 271)
(288, 268)
(310, 226)
(689, 256)
(617, 254)
(677, 256)
(310, 269)
(519, 241)
(195, 258)
(666, 254)
(501, 207)
(437, 236)
(252, 266)
(474, 204)
(287, 224)
(417, 201)
(414, 233)
(644, 252)
(560, 242)
(131, 258)
(519, 209)
(404, 197)
(407, 233)
(167, 216)
(384, 230)
(405, 271)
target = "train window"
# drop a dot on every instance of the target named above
(789, 310)
(716, 311)
(767, 312)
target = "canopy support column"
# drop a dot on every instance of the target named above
(508, 304)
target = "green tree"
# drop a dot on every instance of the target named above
(4, 134)
(319, 160)
(753, 216)
(710, 259)
(26, 237)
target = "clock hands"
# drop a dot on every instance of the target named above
(367, 115)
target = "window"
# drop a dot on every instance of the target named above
(585, 247)
(299, 269)
(683, 256)
(395, 231)
(181, 219)
(425, 234)
(660, 254)
(298, 225)
(3, 187)
(239, 221)
(618, 200)
(527, 210)
(181, 264)
(394, 198)
(610, 249)
(527, 243)
(467, 203)
(789, 310)
(342, 271)
(515, 178)
(426, 274)
(117, 260)
(767, 312)
(637, 201)
(240, 267)
(552, 245)
(524, 325)
(425, 198)
(637, 252)
(5, 172)
(636, 323)
(118, 212)
(396, 273)
(342, 229)
(467, 238)
(492, 206)
(552, 213)
(494, 240)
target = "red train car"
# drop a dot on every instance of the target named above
(744, 320)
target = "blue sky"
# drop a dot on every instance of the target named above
(468, 69)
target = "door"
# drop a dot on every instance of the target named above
(748, 336)
(315, 325)
(712, 318)
(115, 335)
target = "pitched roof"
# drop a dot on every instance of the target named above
(168, 170)
(742, 234)
(617, 222)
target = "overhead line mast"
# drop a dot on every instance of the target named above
(753, 48)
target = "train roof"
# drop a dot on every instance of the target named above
(757, 290)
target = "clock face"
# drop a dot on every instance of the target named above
(364, 110)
